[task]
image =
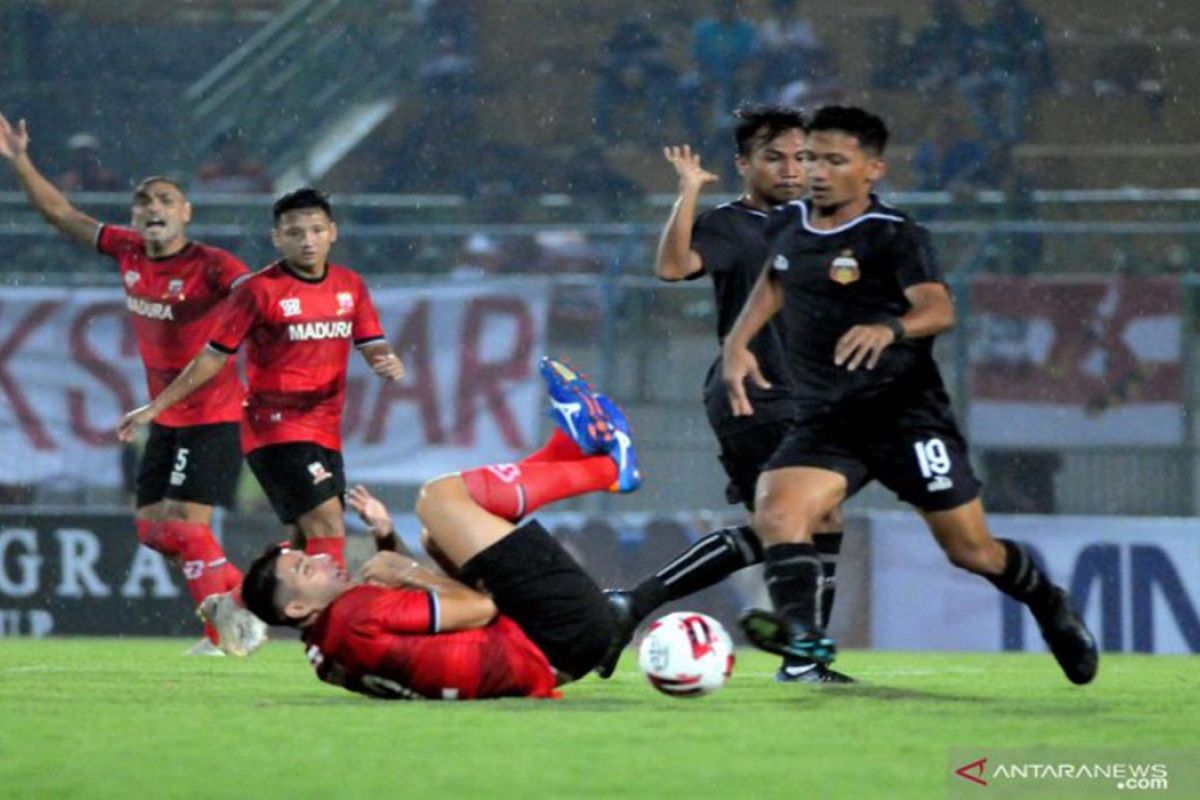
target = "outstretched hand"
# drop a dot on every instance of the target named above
(738, 365)
(140, 416)
(862, 345)
(388, 366)
(370, 509)
(687, 166)
(14, 142)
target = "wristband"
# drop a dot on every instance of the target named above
(897, 328)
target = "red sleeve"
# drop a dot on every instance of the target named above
(113, 240)
(226, 271)
(405, 611)
(238, 315)
(367, 329)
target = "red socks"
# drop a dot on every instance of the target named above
(557, 471)
(204, 565)
(332, 546)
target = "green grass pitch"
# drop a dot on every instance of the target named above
(134, 718)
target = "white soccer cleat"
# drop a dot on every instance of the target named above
(239, 633)
(204, 648)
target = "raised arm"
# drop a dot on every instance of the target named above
(203, 368)
(675, 259)
(738, 362)
(43, 195)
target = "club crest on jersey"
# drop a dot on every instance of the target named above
(844, 269)
(345, 301)
(131, 278)
(290, 306)
(780, 264)
(175, 289)
(318, 472)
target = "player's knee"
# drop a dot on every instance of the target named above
(972, 556)
(776, 523)
(437, 494)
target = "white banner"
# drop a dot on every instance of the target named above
(69, 368)
(1136, 580)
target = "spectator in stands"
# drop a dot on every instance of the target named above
(634, 71)
(723, 51)
(1014, 62)
(942, 53)
(788, 48)
(232, 169)
(85, 170)
(597, 185)
(950, 159)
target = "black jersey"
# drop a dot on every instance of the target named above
(733, 248)
(850, 275)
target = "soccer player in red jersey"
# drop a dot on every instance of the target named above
(298, 318)
(515, 615)
(173, 287)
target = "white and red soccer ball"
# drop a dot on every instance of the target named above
(686, 654)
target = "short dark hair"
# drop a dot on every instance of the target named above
(260, 585)
(144, 184)
(869, 129)
(304, 198)
(759, 124)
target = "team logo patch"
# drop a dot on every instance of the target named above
(175, 289)
(131, 278)
(844, 269)
(290, 306)
(780, 264)
(345, 301)
(939, 484)
(318, 472)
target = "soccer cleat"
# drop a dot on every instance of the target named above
(573, 407)
(622, 451)
(622, 609)
(767, 631)
(204, 648)
(1070, 641)
(810, 673)
(239, 633)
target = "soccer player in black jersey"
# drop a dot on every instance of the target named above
(862, 298)
(728, 243)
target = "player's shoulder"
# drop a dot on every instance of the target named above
(111, 237)
(343, 276)
(731, 216)
(212, 253)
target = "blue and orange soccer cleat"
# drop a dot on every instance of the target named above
(594, 422)
(573, 407)
(629, 477)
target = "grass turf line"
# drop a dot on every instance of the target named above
(100, 718)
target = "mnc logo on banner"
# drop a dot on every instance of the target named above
(1134, 579)
(69, 368)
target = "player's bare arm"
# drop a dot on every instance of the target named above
(675, 259)
(737, 361)
(43, 195)
(203, 368)
(459, 606)
(383, 361)
(931, 313)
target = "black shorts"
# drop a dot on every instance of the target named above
(908, 441)
(745, 454)
(536, 583)
(193, 463)
(298, 476)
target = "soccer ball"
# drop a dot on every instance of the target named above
(686, 654)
